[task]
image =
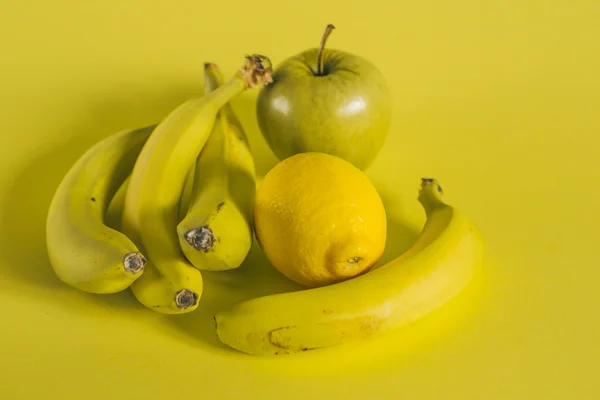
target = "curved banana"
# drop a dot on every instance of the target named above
(83, 250)
(435, 269)
(170, 284)
(114, 212)
(186, 195)
(216, 234)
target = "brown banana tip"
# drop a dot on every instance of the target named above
(202, 238)
(208, 65)
(186, 298)
(257, 70)
(134, 262)
(425, 182)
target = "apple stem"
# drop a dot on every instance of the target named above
(326, 34)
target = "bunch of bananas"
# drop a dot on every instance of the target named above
(150, 208)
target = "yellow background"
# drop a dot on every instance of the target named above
(499, 100)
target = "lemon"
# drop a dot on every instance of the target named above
(319, 219)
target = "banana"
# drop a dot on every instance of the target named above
(115, 208)
(186, 195)
(84, 252)
(170, 284)
(114, 211)
(435, 269)
(216, 234)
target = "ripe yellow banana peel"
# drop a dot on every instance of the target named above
(84, 251)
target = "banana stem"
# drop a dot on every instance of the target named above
(225, 93)
(256, 71)
(431, 195)
(213, 77)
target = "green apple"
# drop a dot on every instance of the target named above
(328, 101)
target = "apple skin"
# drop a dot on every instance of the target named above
(344, 112)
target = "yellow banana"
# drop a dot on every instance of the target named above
(83, 250)
(170, 284)
(435, 269)
(114, 211)
(186, 195)
(216, 234)
(115, 208)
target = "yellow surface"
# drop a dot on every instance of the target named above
(499, 100)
